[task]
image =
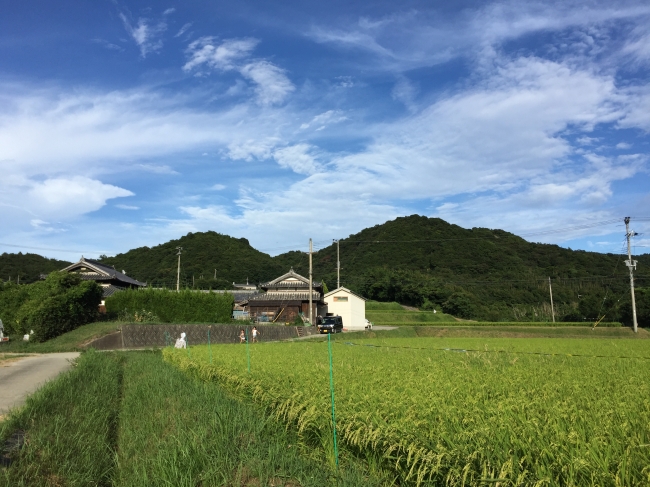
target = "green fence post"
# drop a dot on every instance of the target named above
(336, 450)
(209, 346)
(248, 352)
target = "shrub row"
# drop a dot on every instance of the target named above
(172, 307)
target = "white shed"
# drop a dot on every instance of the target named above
(349, 306)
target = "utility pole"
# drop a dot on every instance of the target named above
(632, 265)
(311, 322)
(550, 290)
(178, 272)
(338, 266)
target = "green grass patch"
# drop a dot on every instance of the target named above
(389, 316)
(69, 426)
(445, 322)
(459, 411)
(72, 341)
(176, 430)
(379, 306)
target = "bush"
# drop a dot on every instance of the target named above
(57, 305)
(170, 306)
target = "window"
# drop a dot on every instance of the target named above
(340, 299)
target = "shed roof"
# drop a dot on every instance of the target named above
(346, 290)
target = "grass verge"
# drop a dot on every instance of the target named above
(69, 427)
(72, 341)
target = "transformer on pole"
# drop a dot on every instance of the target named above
(631, 264)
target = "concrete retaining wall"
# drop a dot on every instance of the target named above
(147, 336)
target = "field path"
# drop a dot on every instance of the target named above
(22, 377)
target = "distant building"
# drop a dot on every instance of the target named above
(107, 277)
(286, 298)
(245, 287)
(349, 306)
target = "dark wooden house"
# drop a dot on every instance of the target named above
(285, 299)
(107, 277)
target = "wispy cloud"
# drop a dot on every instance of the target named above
(324, 119)
(156, 169)
(272, 86)
(146, 33)
(127, 207)
(183, 29)
(107, 45)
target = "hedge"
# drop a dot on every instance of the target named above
(167, 306)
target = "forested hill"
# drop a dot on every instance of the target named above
(478, 272)
(27, 267)
(204, 256)
(415, 260)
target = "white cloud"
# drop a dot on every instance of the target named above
(623, 145)
(146, 34)
(169, 11)
(224, 56)
(408, 40)
(251, 149)
(272, 86)
(107, 45)
(298, 158)
(183, 29)
(324, 119)
(405, 92)
(218, 187)
(127, 207)
(156, 169)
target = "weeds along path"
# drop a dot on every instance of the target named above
(443, 411)
(68, 426)
(130, 419)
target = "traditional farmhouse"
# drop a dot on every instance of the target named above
(107, 277)
(286, 298)
(349, 306)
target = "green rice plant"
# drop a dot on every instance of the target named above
(460, 411)
(70, 426)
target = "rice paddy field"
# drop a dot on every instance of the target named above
(456, 411)
(129, 419)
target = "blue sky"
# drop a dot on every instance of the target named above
(125, 124)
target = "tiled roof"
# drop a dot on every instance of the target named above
(297, 281)
(103, 272)
(286, 296)
(110, 290)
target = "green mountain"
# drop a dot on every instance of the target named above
(208, 260)
(476, 273)
(27, 268)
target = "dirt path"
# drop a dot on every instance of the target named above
(20, 378)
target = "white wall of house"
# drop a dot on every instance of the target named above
(349, 306)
